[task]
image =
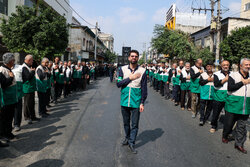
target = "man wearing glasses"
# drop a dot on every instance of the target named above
(133, 83)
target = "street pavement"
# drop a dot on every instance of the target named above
(85, 130)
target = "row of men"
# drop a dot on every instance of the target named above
(208, 92)
(19, 83)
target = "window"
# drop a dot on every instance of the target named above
(29, 3)
(4, 7)
(247, 6)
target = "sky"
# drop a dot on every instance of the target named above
(132, 22)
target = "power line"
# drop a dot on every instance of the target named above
(79, 14)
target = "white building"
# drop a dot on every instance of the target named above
(82, 43)
(187, 22)
(108, 40)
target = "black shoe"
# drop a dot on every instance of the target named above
(43, 116)
(4, 144)
(4, 140)
(10, 136)
(132, 149)
(47, 114)
(49, 106)
(125, 142)
(201, 123)
(35, 119)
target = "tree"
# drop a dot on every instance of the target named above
(142, 59)
(45, 34)
(110, 57)
(205, 55)
(236, 45)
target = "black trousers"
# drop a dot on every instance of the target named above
(205, 105)
(183, 98)
(29, 106)
(6, 118)
(66, 90)
(162, 84)
(240, 130)
(217, 108)
(42, 102)
(48, 95)
(176, 93)
(167, 91)
(132, 114)
(18, 113)
(157, 85)
(58, 90)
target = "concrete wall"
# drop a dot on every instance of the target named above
(236, 23)
(244, 13)
(62, 8)
(188, 29)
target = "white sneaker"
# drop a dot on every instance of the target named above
(16, 129)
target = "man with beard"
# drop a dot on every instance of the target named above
(220, 92)
(133, 83)
(238, 105)
(177, 82)
(207, 93)
(185, 87)
(161, 83)
(195, 73)
(166, 82)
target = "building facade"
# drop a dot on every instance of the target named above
(82, 43)
(202, 37)
(245, 9)
(187, 22)
(9, 6)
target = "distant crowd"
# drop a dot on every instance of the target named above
(51, 80)
(204, 91)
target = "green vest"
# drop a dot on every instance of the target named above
(41, 84)
(195, 86)
(30, 85)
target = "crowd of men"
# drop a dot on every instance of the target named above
(207, 92)
(51, 80)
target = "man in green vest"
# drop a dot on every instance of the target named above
(29, 88)
(133, 83)
(238, 105)
(185, 87)
(207, 93)
(41, 84)
(9, 96)
(195, 73)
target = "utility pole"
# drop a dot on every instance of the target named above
(218, 28)
(212, 27)
(96, 34)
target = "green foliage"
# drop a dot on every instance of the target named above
(142, 59)
(236, 45)
(110, 57)
(206, 55)
(42, 35)
(178, 45)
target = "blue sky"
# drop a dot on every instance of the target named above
(132, 21)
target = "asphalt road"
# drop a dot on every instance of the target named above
(85, 130)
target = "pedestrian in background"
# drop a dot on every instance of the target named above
(10, 98)
(220, 92)
(29, 88)
(207, 93)
(185, 87)
(195, 73)
(41, 83)
(17, 70)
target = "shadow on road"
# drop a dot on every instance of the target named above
(47, 163)
(148, 136)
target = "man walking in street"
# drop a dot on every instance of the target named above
(133, 83)
(185, 87)
(41, 83)
(238, 105)
(207, 93)
(9, 96)
(220, 92)
(195, 73)
(29, 88)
